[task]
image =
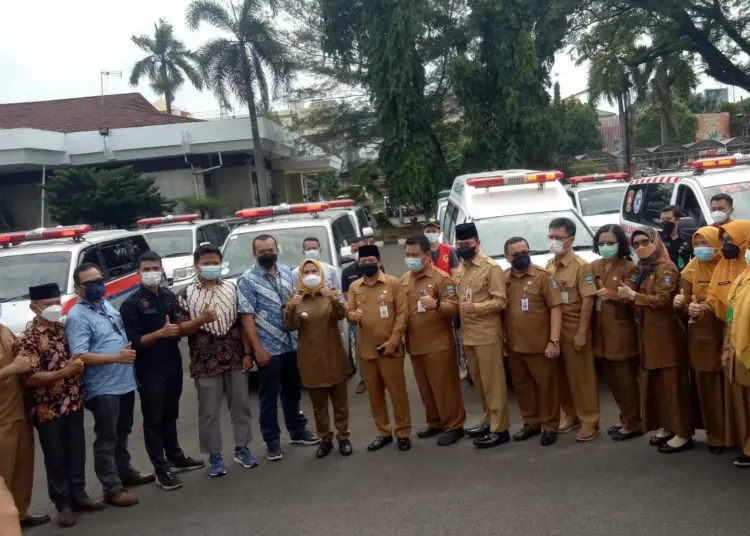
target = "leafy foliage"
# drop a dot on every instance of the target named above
(207, 207)
(647, 125)
(581, 131)
(109, 198)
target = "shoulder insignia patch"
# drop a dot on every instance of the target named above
(588, 279)
(667, 280)
(553, 283)
(450, 288)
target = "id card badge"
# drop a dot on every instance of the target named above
(383, 311)
(564, 296)
(598, 304)
(524, 304)
(468, 294)
(730, 314)
(420, 307)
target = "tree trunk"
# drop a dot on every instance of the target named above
(168, 98)
(621, 118)
(258, 160)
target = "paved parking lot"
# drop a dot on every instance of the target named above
(600, 488)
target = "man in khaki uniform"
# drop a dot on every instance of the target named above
(579, 394)
(377, 304)
(16, 433)
(532, 326)
(481, 295)
(432, 303)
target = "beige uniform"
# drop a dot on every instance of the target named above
(482, 282)
(432, 348)
(383, 303)
(579, 393)
(531, 295)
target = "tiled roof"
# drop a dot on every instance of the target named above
(85, 114)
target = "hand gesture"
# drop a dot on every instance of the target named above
(262, 357)
(606, 294)
(428, 302)
(208, 315)
(169, 331)
(726, 357)
(625, 293)
(22, 364)
(358, 316)
(579, 341)
(247, 363)
(127, 355)
(73, 367)
(552, 351)
(328, 291)
(387, 348)
(679, 301)
(467, 307)
(295, 300)
(695, 309)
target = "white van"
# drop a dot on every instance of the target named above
(598, 197)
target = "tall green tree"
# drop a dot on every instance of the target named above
(167, 64)
(581, 130)
(242, 63)
(647, 127)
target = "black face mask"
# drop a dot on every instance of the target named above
(368, 269)
(267, 260)
(668, 227)
(730, 251)
(521, 262)
(466, 253)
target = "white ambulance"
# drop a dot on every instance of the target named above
(598, 197)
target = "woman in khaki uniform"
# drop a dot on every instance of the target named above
(705, 335)
(613, 328)
(665, 384)
(323, 364)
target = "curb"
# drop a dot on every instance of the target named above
(391, 242)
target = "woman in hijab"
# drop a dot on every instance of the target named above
(705, 335)
(314, 312)
(665, 385)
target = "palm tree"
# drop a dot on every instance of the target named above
(606, 78)
(166, 65)
(240, 63)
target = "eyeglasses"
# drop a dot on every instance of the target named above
(641, 243)
(89, 284)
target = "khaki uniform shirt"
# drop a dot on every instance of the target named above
(613, 322)
(12, 406)
(384, 306)
(531, 295)
(482, 282)
(428, 331)
(705, 335)
(576, 279)
(321, 357)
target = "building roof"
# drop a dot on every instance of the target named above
(85, 114)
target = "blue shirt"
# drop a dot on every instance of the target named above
(264, 296)
(98, 329)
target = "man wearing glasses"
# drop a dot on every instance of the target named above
(96, 335)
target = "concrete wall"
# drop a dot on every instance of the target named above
(177, 183)
(24, 202)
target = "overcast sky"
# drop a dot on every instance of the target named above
(55, 50)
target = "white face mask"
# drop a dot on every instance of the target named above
(53, 313)
(311, 281)
(151, 279)
(719, 216)
(556, 246)
(432, 237)
(312, 254)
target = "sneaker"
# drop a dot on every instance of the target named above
(305, 437)
(743, 460)
(186, 463)
(244, 457)
(361, 387)
(216, 465)
(463, 370)
(168, 481)
(273, 452)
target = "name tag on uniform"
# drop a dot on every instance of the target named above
(468, 294)
(383, 311)
(420, 307)
(598, 304)
(564, 296)
(524, 304)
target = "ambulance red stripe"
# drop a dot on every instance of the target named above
(113, 289)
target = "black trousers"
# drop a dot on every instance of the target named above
(160, 403)
(63, 443)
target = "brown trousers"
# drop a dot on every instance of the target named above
(387, 373)
(440, 388)
(738, 417)
(17, 462)
(665, 399)
(536, 385)
(488, 372)
(622, 379)
(579, 390)
(339, 397)
(711, 399)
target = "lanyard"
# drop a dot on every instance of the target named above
(103, 313)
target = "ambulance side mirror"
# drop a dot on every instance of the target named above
(367, 232)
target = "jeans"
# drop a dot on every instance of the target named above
(353, 333)
(113, 422)
(63, 443)
(160, 404)
(280, 377)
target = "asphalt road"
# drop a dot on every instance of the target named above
(599, 488)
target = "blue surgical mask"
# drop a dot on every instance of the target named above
(95, 292)
(413, 264)
(210, 273)
(432, 237)
(747, 256)
(704, 253)
(312, 254)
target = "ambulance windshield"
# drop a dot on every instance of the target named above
(27, 270)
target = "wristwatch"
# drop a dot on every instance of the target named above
(555, 342)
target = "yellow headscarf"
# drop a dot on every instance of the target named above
(699, 273)
(304, 289)
(739, 300)
(728, 269)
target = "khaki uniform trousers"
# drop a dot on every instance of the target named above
(579, 391)
(387, 373)
(535, 381)
(339, 397)
(622, 379)
(488, 372)
(440, 388)
(17, 462)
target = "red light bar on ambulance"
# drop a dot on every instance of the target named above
(720, 162)
(340, 203)
(168, 219)
(597, 177)
(71, 231)
(515, 178)
(266, 212)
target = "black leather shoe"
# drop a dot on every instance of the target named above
(624, 436)
(450, 437)
(718, 451)
(614, 428)
(404, 443)
(379, 443)
(324, 449)
(66, 518)
(666, 449)
(424, 433)
(659, 441)
(32, 520)
(527, 432)
(478, 431)
(548, 438)
(88, 505)
(345, 447)
(136, 478)
(492, 439)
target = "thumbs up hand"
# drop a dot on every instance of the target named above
(695, 309)
(295, 300)
(679, 301)
(126, 355)
(169, 330)
(208, 315)
(625, 293)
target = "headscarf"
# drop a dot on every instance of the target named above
(739, 299)
(304, 289)
(660, 254)
(699, 273)
(728, 269)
